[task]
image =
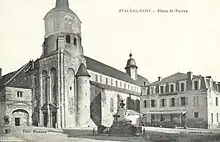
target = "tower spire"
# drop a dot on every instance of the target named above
(62, 4)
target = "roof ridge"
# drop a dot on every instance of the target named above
(16, 74)
(107, 65)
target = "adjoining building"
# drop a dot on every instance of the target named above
(181, 100)
(64, 88)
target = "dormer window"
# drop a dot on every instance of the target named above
(196, 85)
(116, 83)
(171, 88)
(161, 89)
(182, 86)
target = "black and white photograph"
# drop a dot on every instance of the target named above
(109, 71)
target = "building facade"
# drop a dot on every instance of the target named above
(181, 100)
(64, 88)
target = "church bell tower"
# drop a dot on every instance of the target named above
(56, 73)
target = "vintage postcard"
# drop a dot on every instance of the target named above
(138, 71)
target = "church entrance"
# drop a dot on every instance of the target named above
(50, 115)
(54, 119)
(45, 119)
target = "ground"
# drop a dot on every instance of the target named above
(151, 135)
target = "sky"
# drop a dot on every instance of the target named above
(162, 43)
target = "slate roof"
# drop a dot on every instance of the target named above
(17, 78)
(173, 78)
(105, 86)
(82, 71)
(101, 68)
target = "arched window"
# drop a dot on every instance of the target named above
(67, 38)
(45, 86)
(111, 105)
(54, 86)
(75, 41)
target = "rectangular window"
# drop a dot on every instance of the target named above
(153, 103)
(96, 78)
(161, 89)
(116, 83)
(124, 85)
(19, 94)
(173, 102)
(171, 88)
(217, 117)
(196, 85)
(196, 101)
(106, 81)
(162, 117)
(182, 87)
(212, 117)
(145, 103)
(183, 101)
(120, 84)
(196, 114)
(216, 101)
(111, 81)
(101, 78)
(163, 102)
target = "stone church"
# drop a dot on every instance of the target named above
(63, 88)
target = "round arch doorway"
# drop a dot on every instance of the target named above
(20, 117)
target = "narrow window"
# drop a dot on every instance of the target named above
(116, 83)
(216, 101)
(183, 101)
(120, 84)
(124, 85)
(217, 117)
(161, 89)
(145, 103)
(163, 102)
(106, 80)
(182, 87)
(212, 117)
(75, 41)
(171, 88)
(67, 38)
(111, 81)
(96, 78)
(100, 78)
(111, 105)
(196, 114)
(18, 95)
(173, 102)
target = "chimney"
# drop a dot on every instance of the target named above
(159, 78)
(189, 80)
(0, 72)
(189, 75)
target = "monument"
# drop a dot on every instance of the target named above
(122, 126)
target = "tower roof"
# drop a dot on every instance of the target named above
(82, 71)
(131, 62)
(62, 4)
